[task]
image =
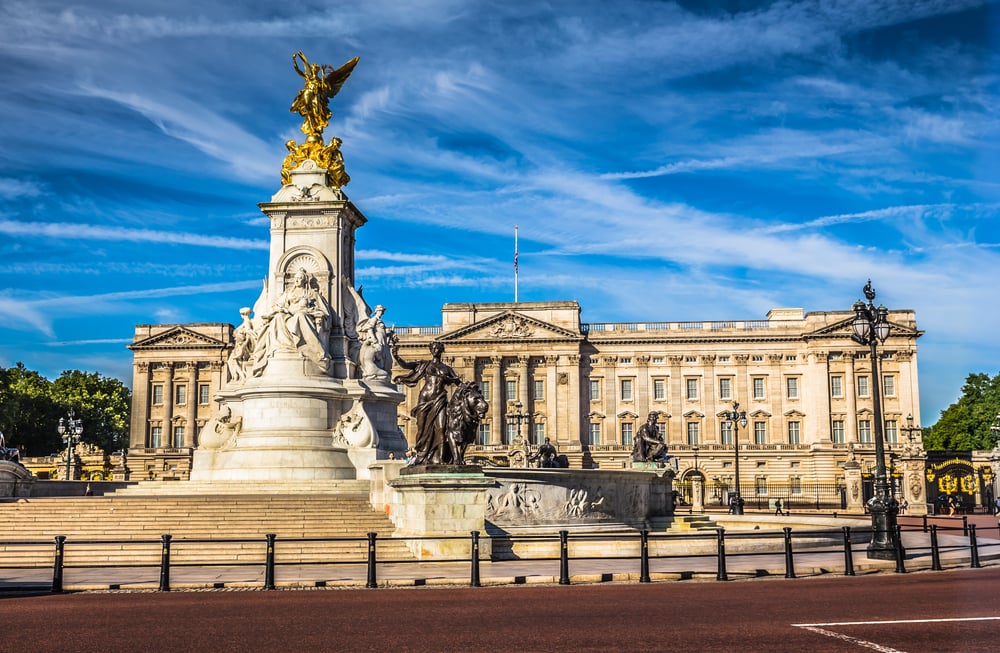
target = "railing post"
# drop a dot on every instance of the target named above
(848, 554)
(789, 560)
(372, 581)
(564, 557)
(974, 547)
(721, 541)
(965, 525)
(165, 563)
(935, 551)
(57, 564)
(644, 556)
(900, 564)
(474, 581)
(269, 563)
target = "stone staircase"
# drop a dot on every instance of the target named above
(222, 528)
(684, 523)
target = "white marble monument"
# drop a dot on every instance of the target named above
(307, 393)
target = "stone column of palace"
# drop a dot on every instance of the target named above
(550, 404)
(192, 407)
(775, 399)
(167, 432)
(494, 366)
(850, 399)
(675, 423)
(709, 434)
(527, 405)
(139, 427)
(571, 404)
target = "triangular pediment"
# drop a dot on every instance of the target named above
(694, 413)
(179, 337)
(510, 325)
(844, 328)
(794, 413)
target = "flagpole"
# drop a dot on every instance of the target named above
(515, 264)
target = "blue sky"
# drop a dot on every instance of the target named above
(664, 161)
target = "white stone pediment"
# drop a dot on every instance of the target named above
(178, 338)
(510, 325)
(846, 328)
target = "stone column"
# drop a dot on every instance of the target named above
(851, 399)
(497, 418)
(551, 405)
(914, 484)
(697, 493)
(139, 428)
(574, 424)
(675, 432)
(191, 428)
(709, 392)
(168, 405)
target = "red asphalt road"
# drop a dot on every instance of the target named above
(756, 615)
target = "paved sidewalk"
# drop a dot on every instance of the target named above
(954, 553)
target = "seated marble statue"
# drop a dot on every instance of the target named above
(648, 445)
(299, 322)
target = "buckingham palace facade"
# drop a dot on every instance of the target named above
(806, 387)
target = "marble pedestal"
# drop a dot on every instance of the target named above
(15, 480)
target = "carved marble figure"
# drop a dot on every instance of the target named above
(299, 322)
(375, 356)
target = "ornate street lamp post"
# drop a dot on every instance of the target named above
(71, 431)
(871, 327)
(517, 417)
(737, 417)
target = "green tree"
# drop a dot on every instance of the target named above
(28, 415)
(101, 402)
(965, 424)
(31, 405)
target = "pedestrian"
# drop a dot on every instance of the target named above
(777, 506)
(392, 456)
(903, 507)
(89, 492)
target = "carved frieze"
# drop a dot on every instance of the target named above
(512, 326)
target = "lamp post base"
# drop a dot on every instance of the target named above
(885, 540)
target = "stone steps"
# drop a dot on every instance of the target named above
(136, 522)
(270, 488)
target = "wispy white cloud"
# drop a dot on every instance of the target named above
(74, 231)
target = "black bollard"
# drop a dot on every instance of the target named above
(974, 547)
(474, 581)
(935, 551)
(165, 563)
(269, 562)
(848, 554)
(965, 525)
(564, 557)
(372, 582)
(644, 556)
(900, 553)
(789, 560)
(925, 523)
(721, 541)
(57, 564)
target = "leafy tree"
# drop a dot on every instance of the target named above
(28, 415)
(965, 425)
(101, 402)
(31, 405)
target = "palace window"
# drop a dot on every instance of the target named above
(180, 394)
(203, 392)
(155, 437)
(627, 433)
(758, 388)
(796, 484)
(836, 386)
(760, 484)
(484, 433)
(659, 389)
(157, 395)
(792, 387)
(539, 388)
(725, 389)
(791, 358)
(484, 387)
(594, 434)
(891, 431)
(595, 389)
(864, 431)
(723, 359)
(757, 358)
(538, 433)
(760, 432)
(690, 359)
(863, 386)
(793, 433)
(889, 385)
(510, 432)
(511, 390)
(625, 360)
(726, 432)
(692, 428)
(178, 436)
(626, 389)
(657, 360)
(692, 388)
(838, 431)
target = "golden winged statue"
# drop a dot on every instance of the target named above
(322, 82)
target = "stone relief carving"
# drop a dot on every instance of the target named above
(221, 431)
(512, 327)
